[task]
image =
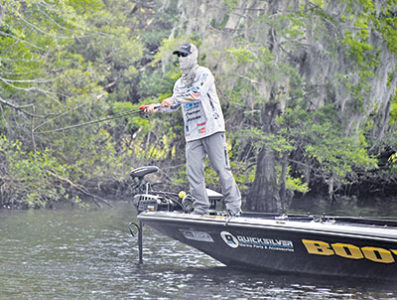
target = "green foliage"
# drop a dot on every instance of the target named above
(393, 112)
(55, 57)
(242, 54)
(32, 175)
(69, 61)
(156, 83)
(393, 158)
(386, 23)
(359, 51)
(324, 144)
(337, 155)
(296, 185)
(231, 3)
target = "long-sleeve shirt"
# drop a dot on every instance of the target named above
(201, 109)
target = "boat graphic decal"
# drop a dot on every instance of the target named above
(229, 239)
(194, 235)
(375, 254)
(235, 241)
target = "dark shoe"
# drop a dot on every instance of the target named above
(233, 214)
(227, 213)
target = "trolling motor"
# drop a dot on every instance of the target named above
(147, 199)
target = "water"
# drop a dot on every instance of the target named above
(89, 254)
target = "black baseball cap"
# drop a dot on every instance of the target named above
(184, 49)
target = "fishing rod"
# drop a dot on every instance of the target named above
(142, 109)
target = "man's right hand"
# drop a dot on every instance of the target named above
(166, 102)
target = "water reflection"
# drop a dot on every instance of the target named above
(89, 254)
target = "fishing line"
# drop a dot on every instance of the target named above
(91, 122)
(58, 116)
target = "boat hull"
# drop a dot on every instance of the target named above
(277, 245)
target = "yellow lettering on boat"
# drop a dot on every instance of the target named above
(347, 250)
(378, 255)
(318, 247)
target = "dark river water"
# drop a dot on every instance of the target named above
(90, 254)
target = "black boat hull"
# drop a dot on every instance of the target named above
(277, 245)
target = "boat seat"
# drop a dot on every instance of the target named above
(143, 171)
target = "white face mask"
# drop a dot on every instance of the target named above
(189, 62)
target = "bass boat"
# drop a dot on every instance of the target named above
(319, 245)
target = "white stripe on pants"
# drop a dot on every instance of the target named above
(215, 147)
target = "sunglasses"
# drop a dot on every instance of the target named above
(182, 54)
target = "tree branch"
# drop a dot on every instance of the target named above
(20, 40)
(80, 188)
(20, 108)
(30, 89)
(42, 31)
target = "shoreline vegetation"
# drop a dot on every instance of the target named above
(308, 89)
(375, 204)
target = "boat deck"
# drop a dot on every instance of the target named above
(358, 227)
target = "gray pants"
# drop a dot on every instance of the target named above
(215, 147)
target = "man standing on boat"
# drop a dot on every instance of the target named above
(195, 93)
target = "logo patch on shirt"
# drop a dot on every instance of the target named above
(189, 106)
(202, 130)
(192, 119)
(196, 94)
(193, 112)
(192, 94)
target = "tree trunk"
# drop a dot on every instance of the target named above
(264, 194)
(283, 182)
(331, 190)
(1, 14)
